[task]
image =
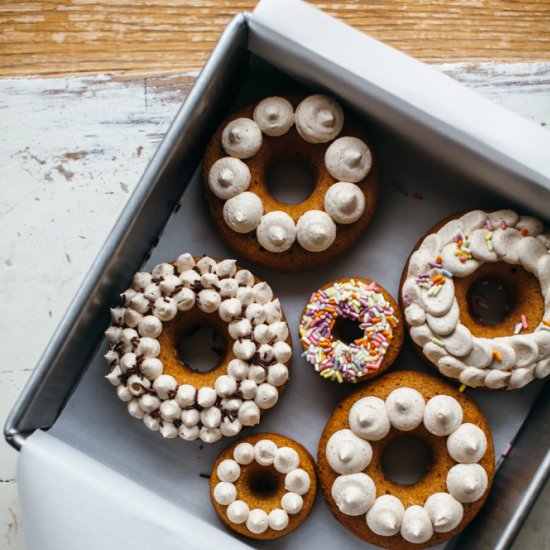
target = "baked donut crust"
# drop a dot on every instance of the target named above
(270, 502)
(435, 479)
(290, 146)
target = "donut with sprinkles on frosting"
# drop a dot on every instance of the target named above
(441, 503)
(263, 486)
(362, 354)
(444, 305)
(159, 388)
(313, 130)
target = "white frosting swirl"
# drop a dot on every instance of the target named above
(276, 231)
(348, 159)
(467, 482)
(442, 415)
(348, 454)
(354, 494)
(228, 470)
(385, 516)
(243, 212)
(225, 493)
(319, 118)
(238, 511)
(315, 231)
(297, 481)
(274, 116)
(228, 177)
(405, 408)
(285, 460)
(264, 452)
(292, 503)
(416, 526)
(467, 444)
(257, 521)
(344, 202)
(278, 519)
(444, 511)
(368, 418)
(242, 138)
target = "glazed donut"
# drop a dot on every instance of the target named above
(313, 130)
(379, 325)
(167, 394)
(391, 515)
(263, 486)
(444, 309)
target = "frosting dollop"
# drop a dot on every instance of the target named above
(467, 444)
(319, 118)
(416, 526)
(405, 408)
(274, 115)
(315, 231)
(228, 177)
(348, 159)
(444, 511)
(276, 231)
(348, 454)
(243, 212)
(242, 138)
(385, 516)
(237, 512)
(368, 418)
(344, 202)
(442, 415)
(467, 482)
(257, 521)
(354, 494)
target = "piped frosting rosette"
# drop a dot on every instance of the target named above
(245, 383)
(457, 250)
(318, 119)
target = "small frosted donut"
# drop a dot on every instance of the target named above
(315, 131)
(263, 486)
(360, 494)
(166, 393)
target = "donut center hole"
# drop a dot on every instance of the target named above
(201, 348)
(406, 459)
(290, 180)
(491, 299)
(347, 330)
(264, 482)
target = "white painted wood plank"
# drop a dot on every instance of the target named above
(71, 152)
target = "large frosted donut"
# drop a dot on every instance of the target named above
(159, 388)
(316, 131)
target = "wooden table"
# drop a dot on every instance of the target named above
(74, 140)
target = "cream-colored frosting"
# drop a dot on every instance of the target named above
(405, 408)
(238, 511)
(416, 526)
(244, 453)
(274, 116)
(444, 511)
(385, 516)
(285, 460)
(264, 452)
(225, 493)
(228, 177)
(242, 138)
(348, 159)
(315, 231)
(278, 519)
(467, 444)
(319, 118)
(347, 453)
(368, 418)
(228, 470)
(292, 503)
(276, 231)
(297, 481)
(442, 415)
(257, 521)
(467, 482)
(344, 202)
(354, 494)
(243, 212)
(506, 362)
(205, 412)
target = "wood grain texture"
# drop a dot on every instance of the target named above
(60, 37)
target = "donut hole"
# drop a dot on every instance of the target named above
(201, 348)
(491, 298)
(407, 459)
(264, 481)
(347, 330)
(290, 179)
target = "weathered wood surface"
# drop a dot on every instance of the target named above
(71, 152)
(59, 37)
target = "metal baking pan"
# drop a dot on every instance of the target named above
(520, 477)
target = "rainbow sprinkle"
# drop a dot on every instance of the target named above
(432, 282)
(462, 388)
(463, 247)
(334, 359)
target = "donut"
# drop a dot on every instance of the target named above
(263, 486)
(439, 505)
(313, 130)
(500, 344)
(168, 395)
(372, 344)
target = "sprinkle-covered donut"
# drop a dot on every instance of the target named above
(159, 388)
(444, 294)
(316, 131)
(439, 505)
(335, 351)
(263, 486)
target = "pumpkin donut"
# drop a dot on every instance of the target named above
(449, 495)
(458, 277)
(263, 486)
(158, 310)
(314, 130)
